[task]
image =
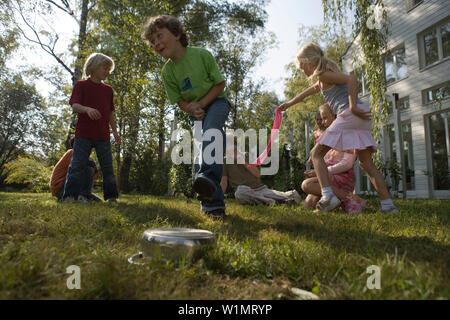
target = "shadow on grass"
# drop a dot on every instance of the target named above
(141, 213)
(362, 242)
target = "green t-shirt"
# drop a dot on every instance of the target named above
(190, 78)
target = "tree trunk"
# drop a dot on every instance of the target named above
(129, 152)
(161, 143)
(124, 181)
(78, 72)
(161, 134)
(170, 191)
(81, 39)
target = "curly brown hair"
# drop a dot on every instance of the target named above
(163, 21)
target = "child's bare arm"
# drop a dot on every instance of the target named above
(212, 94)
(300, 97)
(195, 111)
(92, 113)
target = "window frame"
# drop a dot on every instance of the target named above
(391, 152)
(412, 182)
(440, 49)
(361, 75)
(402, 109)
(410, 6)
(425, 92)
(395, 63)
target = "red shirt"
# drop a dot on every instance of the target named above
(98, 96)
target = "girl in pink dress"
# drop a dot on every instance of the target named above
(350, 131)
(340, 171)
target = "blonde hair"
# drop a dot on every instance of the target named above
(96, 60)
(318, 119)
(311, 53)
(325, 108)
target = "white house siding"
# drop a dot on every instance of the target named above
(405, 28)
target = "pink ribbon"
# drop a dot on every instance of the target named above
(273, 135)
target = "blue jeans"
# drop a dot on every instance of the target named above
(216, 114)
(81, 151)
(86, 183)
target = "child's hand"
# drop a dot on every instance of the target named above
(196, 110)
(93, 114)
(310, 173)
(365, 115)
(284, 106)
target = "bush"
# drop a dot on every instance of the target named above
(181, 179)
(30, 172)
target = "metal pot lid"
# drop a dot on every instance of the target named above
(181, 233)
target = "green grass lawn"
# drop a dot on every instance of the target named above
(261, 252)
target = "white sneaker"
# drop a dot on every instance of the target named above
(393, 209)
(295, 196)
(328, 204)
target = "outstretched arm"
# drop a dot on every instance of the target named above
(300, 97)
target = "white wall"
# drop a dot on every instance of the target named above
(405, 28)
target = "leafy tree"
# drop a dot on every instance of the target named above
(237, 55)
(34, 19)
(260, 111)
(30, 172)
(20, 105)
(8, 37)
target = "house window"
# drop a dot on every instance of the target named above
(395, 67)
(440, 150)
(402, 104)
(410, 4)
(361, 76)
(435, 43)
(437, 93)
(445, 36)
(408, 154)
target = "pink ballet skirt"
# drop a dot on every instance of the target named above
(349, 132)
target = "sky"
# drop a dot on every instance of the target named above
(284, 19)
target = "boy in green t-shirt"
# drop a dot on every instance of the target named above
(193, 81)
